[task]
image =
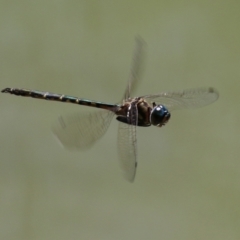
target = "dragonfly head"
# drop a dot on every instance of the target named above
(159, 115)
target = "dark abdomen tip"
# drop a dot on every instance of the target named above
(6, 90)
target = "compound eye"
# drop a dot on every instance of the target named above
(159, 115)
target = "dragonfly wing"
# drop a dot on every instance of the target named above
(81, 131)
(127, 145)
(137, 66)
(191, 98)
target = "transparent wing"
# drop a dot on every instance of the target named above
(81, 131)
(191, 98)
(127, 145)
(137, 66)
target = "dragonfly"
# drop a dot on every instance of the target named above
(82, 131)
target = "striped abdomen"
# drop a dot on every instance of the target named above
(60, 98)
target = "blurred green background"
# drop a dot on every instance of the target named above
(188, 180)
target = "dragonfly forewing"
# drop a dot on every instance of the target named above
(127, 144)
(190, 98)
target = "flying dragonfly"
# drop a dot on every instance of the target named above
(80, 132)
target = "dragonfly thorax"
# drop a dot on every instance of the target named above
(159, 115)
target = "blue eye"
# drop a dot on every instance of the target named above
(159, 115)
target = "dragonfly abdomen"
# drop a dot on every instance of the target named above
(59, 97)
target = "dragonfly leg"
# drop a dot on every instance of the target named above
(122, 119)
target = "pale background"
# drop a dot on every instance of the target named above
(188, 180)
